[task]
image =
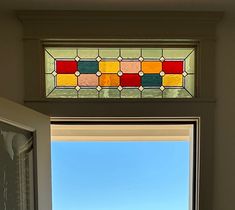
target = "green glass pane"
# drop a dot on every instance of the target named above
(189, 83)
(151, 80)
(151, 53)
(88, 93)
(151, 93)
(88, 53)
(131, 53)
(88, 67)
(176, 93)
(62, 52)
(50, 83)
(49, 63)
(130, 93)
(63, 93)
(109, 53)
(190, 63)
(109, 93)
(178, 53)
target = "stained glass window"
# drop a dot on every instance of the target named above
(120, 72)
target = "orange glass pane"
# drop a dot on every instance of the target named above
(152, 67)
(173, 80)
(109, 80)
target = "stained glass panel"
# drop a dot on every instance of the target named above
(119, 72)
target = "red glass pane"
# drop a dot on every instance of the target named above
(173, 67)
(66, 67)
(130, 80)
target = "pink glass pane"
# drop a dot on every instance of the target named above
(88, 80)
(130, 66)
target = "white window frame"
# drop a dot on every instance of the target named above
(151, 129)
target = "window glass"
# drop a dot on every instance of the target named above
(119, 72)
(121, 175)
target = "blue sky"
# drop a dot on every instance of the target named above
(120, 175)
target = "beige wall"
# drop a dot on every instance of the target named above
(224, 185)
(12, 85)
(11, 58)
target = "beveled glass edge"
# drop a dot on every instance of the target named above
(121, 43)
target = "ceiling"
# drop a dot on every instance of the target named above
(222, 5)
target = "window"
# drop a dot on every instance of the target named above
(124, 29)
(119, 72)
(123, 167)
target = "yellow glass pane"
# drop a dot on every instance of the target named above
(109, 66)
(173, 80)
(111, 80)
(66, 80)
(152, 67)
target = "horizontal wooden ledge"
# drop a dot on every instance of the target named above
(159, 120)
(122, 100)
(71, 40)
(187, 16)
(121, 132)
(161, 42)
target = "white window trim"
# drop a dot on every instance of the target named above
(150, 129)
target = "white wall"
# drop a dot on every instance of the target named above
(12, 85)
